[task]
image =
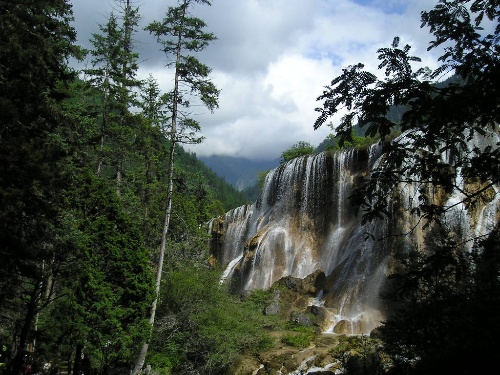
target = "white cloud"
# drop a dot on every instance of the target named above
(272, 59)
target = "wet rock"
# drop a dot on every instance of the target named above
(302, 318)
(343, 327)
(310, 285)
(321, 316)
(274, 306)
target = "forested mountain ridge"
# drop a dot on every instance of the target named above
(394, 115)
(220, 188)
(239, 172)
(79, 95)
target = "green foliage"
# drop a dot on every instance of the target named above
(260, 298)
(201, 326)
(354, 141)
(77, 248)
(114, 66)
(36, 40)
(301, 148)
(35, 45)
(261, 178)
(295, 335)
(444, 321)
(223, 196)
(293, 326)
(437, 292)
(437, 118)
(115, 282)
(181, 36)
(359, 355)
(297, 340)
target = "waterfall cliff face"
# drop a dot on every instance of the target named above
(302, 223)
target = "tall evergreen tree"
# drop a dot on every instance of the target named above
(128, 83)
(180, 36)
(36, 42)
(104, 76)
(113, 72)
(115, 282)
(152, 145)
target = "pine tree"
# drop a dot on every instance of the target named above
(113, 72)
(181, 35)
(36, 42)
(115, 284)
(151, 144)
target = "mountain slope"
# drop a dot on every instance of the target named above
(239, 172)
(221, 189)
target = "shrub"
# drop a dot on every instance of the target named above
(201, 326)
(299, 340)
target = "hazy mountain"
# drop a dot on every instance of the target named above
(239, 172)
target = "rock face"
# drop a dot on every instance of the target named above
(303, 236)
(293, 298)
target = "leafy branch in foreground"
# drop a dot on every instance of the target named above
(449, 130)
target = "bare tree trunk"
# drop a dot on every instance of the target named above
(145, 346)
(119, 178)
(103, 126)
(78, 358)
(168, 212)
(31, 308)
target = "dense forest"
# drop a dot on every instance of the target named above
(85, 162)
(104, 258)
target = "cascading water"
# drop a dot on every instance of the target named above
(302, 223)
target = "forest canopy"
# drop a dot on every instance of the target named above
(84, 166)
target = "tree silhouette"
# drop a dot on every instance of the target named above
(449, 129)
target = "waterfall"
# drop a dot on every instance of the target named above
(302, 222)
(230, 267)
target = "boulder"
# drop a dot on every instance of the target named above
(309, 285)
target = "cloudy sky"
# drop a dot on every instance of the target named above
(271, 60)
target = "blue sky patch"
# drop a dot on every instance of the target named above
(319, 53)
(387, 6)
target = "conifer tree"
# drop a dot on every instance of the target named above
(152, 146)
(103, 75)
(36, 42)
(181, 36)
(113, 72)
(114, 282)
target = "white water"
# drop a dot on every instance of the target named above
(303, 222)
(230, 267)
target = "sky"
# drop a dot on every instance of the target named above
(271, 60)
